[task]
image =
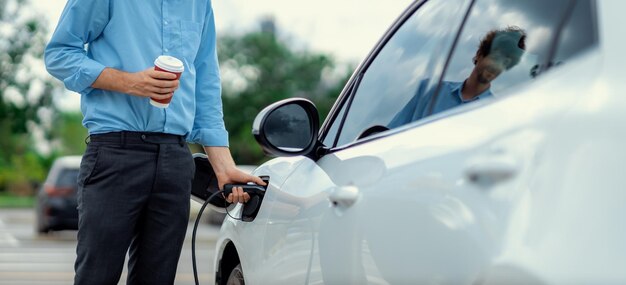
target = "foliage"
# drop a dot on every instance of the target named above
(69, 134)
(259, 68)
(26, 172)
(26, 106)
(13, 201)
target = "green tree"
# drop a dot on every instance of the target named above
(26, 107)
(259, 68)
(69, 134)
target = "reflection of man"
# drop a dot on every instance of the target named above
(499, 50)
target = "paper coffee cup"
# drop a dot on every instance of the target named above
(168, 64)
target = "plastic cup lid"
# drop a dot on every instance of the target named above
(169, 63)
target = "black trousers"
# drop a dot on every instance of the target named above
(133, 196)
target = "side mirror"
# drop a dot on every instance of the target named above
(287, 128)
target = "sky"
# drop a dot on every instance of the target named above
(345, 29)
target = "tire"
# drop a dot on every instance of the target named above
(40, 227)
(43, 230)
(236, 276)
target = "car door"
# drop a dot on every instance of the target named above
(430, 201)
(409, 59)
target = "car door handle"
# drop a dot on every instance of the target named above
(488, 171)
(344, 196)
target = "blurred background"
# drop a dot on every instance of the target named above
(268, 50)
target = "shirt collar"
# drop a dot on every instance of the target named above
(456, 91)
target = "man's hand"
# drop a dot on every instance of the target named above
(227, 173)
(147, 83)
(152, 83)
(236, 176)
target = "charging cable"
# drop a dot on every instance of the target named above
(251, 189)
(195, 229)
(193, 236)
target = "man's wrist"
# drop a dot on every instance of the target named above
(114, 80)
(127, 82)
(220, 158)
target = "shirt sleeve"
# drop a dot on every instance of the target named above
(81, 22)
(413, 110)
(208, 127)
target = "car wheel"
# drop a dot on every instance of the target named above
(236, 276)
(40, 227)
(43, 231)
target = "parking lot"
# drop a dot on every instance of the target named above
(26, 258)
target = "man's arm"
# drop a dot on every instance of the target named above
(81, 22)
(208, 127)
(147, 83)
(66, 59)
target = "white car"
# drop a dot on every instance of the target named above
(523, 186)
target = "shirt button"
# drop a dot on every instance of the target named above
(165, 22)
(166, 50)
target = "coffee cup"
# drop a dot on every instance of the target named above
(168, 64)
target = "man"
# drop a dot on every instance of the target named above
(135, 177)
(499, 50)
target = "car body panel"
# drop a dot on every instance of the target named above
(528, 188)
(232, 229)
(567, 227)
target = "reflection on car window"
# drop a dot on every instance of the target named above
(578, 33)
(498, 51)
(409, 64)
(537, 18)
(504, 44)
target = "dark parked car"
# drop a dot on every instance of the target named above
(56, 200)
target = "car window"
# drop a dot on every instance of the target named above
(579, 32)
(505, 45)
(68, 177)
(331, 136)
(407, 66)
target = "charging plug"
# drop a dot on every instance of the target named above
(252, 189)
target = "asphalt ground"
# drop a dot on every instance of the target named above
(29, 258)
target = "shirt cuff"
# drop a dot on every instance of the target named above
(209, 137)
(82, 80)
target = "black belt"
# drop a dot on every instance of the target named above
(136, 138)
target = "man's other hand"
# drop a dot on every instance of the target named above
(151, 83)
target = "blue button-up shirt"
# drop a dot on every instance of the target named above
(129, 36)
(449, 97)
